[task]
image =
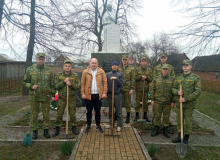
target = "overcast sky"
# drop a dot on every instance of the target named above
(159, 16)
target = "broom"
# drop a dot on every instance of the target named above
(27, 139)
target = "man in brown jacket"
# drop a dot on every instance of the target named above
(93, 89)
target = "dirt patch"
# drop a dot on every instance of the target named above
(38, 150)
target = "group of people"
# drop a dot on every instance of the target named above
(96, 85)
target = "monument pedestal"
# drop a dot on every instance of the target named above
(105, 59)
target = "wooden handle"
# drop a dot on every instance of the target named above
(67, 111)
(113, 92)
(181, 115)
(142, 113)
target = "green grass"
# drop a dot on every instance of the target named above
(196, 153)
(38, 151)
(66, 147)
(209, 104)
(11, 103)
(152, 149)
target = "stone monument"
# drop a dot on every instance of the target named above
(111, 46)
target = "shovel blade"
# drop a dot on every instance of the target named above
(181, 149)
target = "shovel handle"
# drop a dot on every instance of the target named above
(181, 115)
(113, 95)
(142, 111)
(67, 111)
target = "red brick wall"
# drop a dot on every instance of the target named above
(211, 76)
(209, 82)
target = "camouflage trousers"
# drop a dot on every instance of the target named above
(139, 96)
(127, 99)
(187, 119)
(61, 108)
(118, 109)
(35, 109)
(158, 110)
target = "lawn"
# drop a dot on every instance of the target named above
(209, 104)
(38, 151)
(11, 103)
(168, 152)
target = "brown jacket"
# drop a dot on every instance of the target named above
(86, 82)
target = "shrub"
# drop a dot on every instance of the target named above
(66, 147)
(152, 149)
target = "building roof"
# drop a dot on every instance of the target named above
(176, 61)
(5, 58)
(206, 63)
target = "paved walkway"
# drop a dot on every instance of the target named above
(98, 146)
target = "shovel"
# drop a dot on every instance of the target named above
(181, 148)
(113, 87)
(142, 111)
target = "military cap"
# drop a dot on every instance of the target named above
(165, 66)
(40, 55)
(125, 56)
(163, 55)
(67, 61)
(186, 61)
(144, 58)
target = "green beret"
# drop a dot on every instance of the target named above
(67, 61)
(40, 55)
(165, 66)
(125, 56)
(163, 55)
(144, 58)
(186, 61)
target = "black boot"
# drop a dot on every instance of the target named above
(35, 134)
(155, 132)
(145, 117)
(165, 132)
(46, 133)
(75, 130)
(57, 131)
(185, 139)
(128, 117)
(177, 139)
(137, 116)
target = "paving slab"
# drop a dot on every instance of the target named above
(95, 145)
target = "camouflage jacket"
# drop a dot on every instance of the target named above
(129, 75)
(157, 70)
(60, 85)
(191, 86)
(138, 75)
(43, 77)
(161, 89)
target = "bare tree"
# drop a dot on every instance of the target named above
(203, 32)
(87, 18)
(161, 43)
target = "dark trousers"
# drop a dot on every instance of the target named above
(96, 104)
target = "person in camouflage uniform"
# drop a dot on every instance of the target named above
(191, 89)
(63, 79)
(163, 60)
(142, 74)
(162, 99)
(129, 83)
(40, 82)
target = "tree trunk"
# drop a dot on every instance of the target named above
(30, 49)
(100, 43)
(2, 2)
